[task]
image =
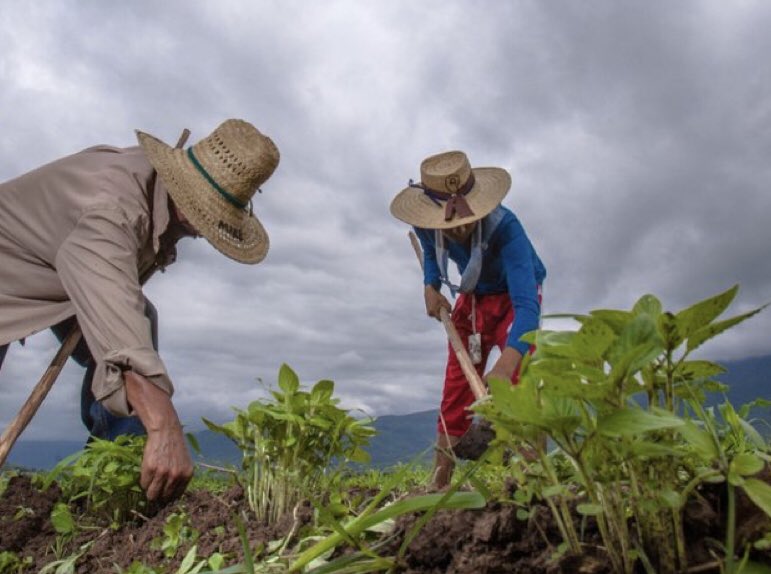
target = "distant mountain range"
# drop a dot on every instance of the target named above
(400, 438)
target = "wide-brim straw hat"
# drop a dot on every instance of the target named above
(213, 182)
(450, 192)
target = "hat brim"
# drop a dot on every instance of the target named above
(234, 232)
(491, 184)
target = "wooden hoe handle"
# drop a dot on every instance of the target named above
(30, 407)
(473, 378)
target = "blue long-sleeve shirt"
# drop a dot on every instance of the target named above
(509, 264)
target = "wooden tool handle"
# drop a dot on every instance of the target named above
(33, 402)
(473, 378)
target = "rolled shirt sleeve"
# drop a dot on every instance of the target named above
(97, 265)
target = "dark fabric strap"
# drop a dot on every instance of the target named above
(456, 202)
(230, 198)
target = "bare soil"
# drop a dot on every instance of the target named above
(486, 541)
(212, 516)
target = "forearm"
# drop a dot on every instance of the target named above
(166, 464)
(152, 405)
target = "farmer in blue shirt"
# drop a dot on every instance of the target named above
(457, 214)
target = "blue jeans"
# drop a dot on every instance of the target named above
(98, 420)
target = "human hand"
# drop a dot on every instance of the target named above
(435, 302)
(166, 465)
(505, 366)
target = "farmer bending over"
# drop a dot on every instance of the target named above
(457, 214)
(77, 235)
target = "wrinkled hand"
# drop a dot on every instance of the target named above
(435, 301)
(166, 465)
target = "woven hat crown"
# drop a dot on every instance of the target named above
(447, 172)
(238, 158)
(450, 192)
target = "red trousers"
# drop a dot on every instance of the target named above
(494, 316)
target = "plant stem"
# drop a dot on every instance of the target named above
(730, 530)
(567, 528)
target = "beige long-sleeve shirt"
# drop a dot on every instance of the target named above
(75, 237)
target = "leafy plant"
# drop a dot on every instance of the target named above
(66, 565)
(104, 477)
(378, 519)
(612, 397)
(291, 445)
(65, 526)
(176, 532)
(11, 563)
(5, 478)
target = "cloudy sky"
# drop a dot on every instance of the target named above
(637, 134)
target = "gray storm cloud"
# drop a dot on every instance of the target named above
(637, 136)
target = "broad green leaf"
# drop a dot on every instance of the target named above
(640, 331)
(746, 464)
(745, 409)
(696, 389)
(321, 422)
(616, 320)
(322, 391)
(700, 440)
(635, 358)
(288, 380)
(62, 520)
(652, 449)
(188, 561)
(649, 305)
(731, 417)
(751, 433)
(593, 339)
(691, 370)
(672, 498)
(359, 455)
(701, 314)
(632, 422)
(571, 385)
(587, 509)
(555, 490)
(735, 479)
(706, 333)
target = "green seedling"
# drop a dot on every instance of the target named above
(104, 478)
(294, 445)
(176, 532)
(23, 512)
(66, 565)
(11, 563)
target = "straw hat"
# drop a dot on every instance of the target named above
(213, 182)
(450, 192)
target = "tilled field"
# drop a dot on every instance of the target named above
(489, 540)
